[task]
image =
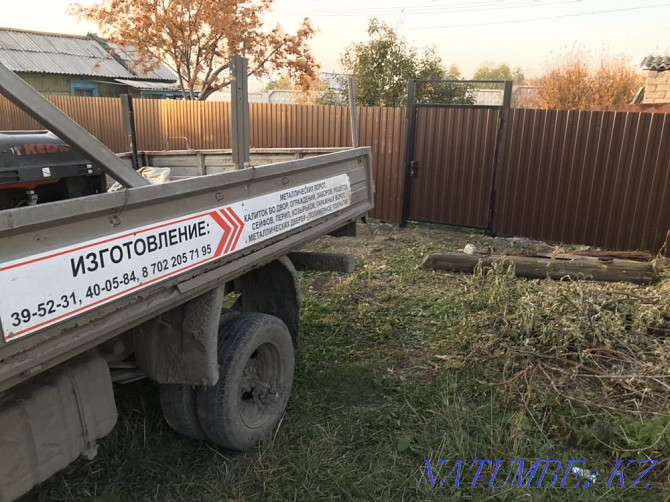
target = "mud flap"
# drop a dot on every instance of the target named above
(179, 346)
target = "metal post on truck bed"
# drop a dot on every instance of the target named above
(128, 115)
(38, 107)
(239, 101)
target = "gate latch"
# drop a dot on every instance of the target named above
(413, 166)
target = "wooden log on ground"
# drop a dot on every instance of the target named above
(601, 255)
(579, 267)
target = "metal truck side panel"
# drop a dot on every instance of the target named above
(38, 229)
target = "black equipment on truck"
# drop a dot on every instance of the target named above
(37, 167)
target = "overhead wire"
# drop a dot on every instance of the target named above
(514, 21)
(430, 9)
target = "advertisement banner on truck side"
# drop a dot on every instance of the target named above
(44, 289)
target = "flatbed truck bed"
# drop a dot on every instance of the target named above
(151, 266)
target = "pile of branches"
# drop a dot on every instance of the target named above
(604, 346)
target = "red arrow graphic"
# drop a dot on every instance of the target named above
(236, 224)
(240, 226)
(233, 229)
(227, 233)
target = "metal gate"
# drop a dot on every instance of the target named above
(453, 152)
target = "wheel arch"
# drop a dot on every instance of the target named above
(273, 289)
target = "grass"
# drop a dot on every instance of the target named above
(398, 365)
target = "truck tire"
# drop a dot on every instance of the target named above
(256, 363)
(178, 403)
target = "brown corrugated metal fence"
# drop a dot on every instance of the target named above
(207, 126)
(599, 178)
(593, 177)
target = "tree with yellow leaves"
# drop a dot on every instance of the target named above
(196, 37)
(575, 84)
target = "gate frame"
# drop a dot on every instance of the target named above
(412, 108)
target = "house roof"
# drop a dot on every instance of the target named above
(658, 63)
(88, 55)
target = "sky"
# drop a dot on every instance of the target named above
(526, 33)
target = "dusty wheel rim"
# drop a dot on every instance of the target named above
(261, 385)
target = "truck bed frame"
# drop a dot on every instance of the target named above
(53, 234)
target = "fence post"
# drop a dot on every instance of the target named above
(409, 152)
(499, 152)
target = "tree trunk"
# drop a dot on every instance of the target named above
(572, 266)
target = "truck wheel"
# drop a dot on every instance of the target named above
(178, 401)
(256, 362)
(179, 409)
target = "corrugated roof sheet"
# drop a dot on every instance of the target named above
(27, 51)
(658, 63)
(161, 72)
